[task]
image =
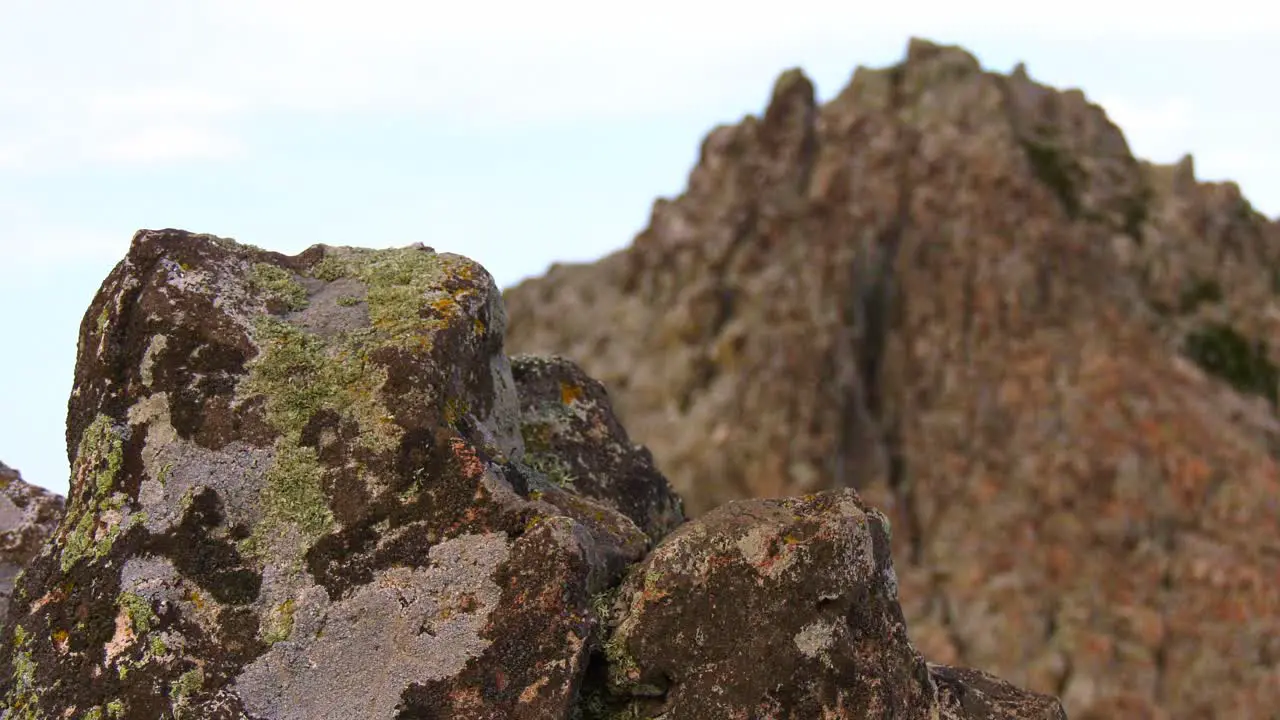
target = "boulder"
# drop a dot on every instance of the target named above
(297, 494)
(28, 515)
(782, 609)
(571, 434)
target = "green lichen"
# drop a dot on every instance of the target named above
(1223, 352)
(95, 713)
(278, 624)
(98, 462)
(103, 318)
(299, 377)
(553, 468)
(330, 268)
(22, 697)
(294, 493)
(188, 683)
(158, 647)
(278, 286)
(300, 374)
(602, 604)
(115, 709)
(401, 284)
(139, 611)
(349, 301)
(624, 671)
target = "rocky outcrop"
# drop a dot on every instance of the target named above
(780, 609)
(28, 515)
(1046, 360)
(313, 487)
(285, 467)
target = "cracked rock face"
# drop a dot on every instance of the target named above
(298, 492)
(28, 515)
(1052, 365)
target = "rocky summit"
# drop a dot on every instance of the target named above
(1050, 364)
(316, 488)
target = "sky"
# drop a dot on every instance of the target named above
(519, 134)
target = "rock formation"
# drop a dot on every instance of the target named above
(315, 488)
(1045, 360)
(28, 515)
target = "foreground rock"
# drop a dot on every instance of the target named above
(301, 491)
(1052, 365)
(571, 434)
(782, 609)
(28, 515)
(296, 495)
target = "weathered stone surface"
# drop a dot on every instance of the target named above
(28, 515)
(571, 434)
(1051, 364)
(965, 694)
(297, 493)
(779, 609)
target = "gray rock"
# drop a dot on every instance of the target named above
(28, 515)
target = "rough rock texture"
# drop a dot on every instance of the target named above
(702, 625)
(298, 494)
(1047, 361)
(781, 609)
(571, 435)
(28, 515)
(966, 694)
(301, 491)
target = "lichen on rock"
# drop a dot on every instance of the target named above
(284, 466)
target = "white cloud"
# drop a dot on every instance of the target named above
(141, 81)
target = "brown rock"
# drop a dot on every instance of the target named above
(565, 414)
(1047, 361)
(297, 493)
(781, 609)
(965, 694)
(28, 516)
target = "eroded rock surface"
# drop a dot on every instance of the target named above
(28, 515)
(571, 435)
(780, 609)
(965, 694)
(1052, 365)
(297, 494)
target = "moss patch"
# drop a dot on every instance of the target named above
(313, 385)
(1223, 352)
(278, 286)
(139, 611)
(22, 697)
(99, 459)
(278, 624)
(552, 467)
(300, 377)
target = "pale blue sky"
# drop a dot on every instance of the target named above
(516, 133)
